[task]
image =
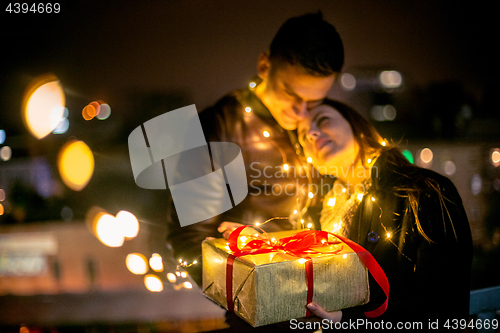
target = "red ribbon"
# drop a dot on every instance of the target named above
(301, 245)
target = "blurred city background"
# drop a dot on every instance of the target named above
(424, 72)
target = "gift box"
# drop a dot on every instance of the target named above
(270, 278)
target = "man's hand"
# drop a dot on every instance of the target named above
(317, 310)
(226, 228)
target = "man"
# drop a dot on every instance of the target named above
(304, 59)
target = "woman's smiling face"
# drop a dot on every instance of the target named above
(327, 138)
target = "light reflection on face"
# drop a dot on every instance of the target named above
(289, 91)
(327, 138)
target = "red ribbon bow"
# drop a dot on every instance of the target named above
(302, 245)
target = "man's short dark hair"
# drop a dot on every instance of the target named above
(311, 42)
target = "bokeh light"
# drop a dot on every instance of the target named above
(137, 263)
(104, 112)
(495, 157)
(449, 168)
(153, 283)
(426, 155)
(408, 155)
(43, 105)
(391, 79)
(5, 153)
(2, 137)
(348, 81)
(187, 285)
(108, 230)
(476, 184)
(171, 277)
(2, 195)
(128, 223)
(156, 262)
(76, 164)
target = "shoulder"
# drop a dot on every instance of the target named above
(219, 119)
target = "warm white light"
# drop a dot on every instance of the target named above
(257, 224)
(243, 238)
(153, 283)
(248, 109)
(5, 153)
(309, 159)
(311, 195)
(390, 79)
(331, 202)
(136, 263)
(360, 196)
(252, 84)
(389, 235)
(344, 256)
(171, 277)
(309, 225)
(373, 198)
(302, 261)
(426, 155)
(128, 223)
(108, 231)
(187, 285)
(266, 134)
(43, 106)
(156, 262)
(285, 167)
(495, 157)
(184, 274)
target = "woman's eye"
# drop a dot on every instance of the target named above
(321, 121)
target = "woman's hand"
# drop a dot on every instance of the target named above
(226, 228)
(318, 311)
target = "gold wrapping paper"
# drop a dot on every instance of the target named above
(271, 288)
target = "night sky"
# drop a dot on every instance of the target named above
(125, 52)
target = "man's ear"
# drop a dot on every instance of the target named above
(263, 66)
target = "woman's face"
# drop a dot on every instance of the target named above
(327, 138)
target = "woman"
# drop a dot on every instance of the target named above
(410, 219)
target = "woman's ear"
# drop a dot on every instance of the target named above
(263, 66)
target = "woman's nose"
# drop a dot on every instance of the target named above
(312, 135)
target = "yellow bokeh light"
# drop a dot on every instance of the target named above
(266, 134)
(426, 155)
(128, 223)
(187, 285)
(108, 231)
(156, 262)
(153, 283)
(76, 164)
(136, 263)
(43, 105)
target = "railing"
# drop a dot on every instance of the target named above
(484, 303)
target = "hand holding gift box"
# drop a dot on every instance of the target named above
(270, 278)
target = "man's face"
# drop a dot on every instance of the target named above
(289, 91)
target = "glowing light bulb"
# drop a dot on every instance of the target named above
(389, 235)
(360, 196)
(311, 195)
(331, 202)
(184, 274)
(266, 134)
(309, 159)
(243, 238)
(257, 224)
(344, 256)
(309, 225)
(285, 167)
(248, 109)
(187, 285)
(302, 261)
(252, 85)
(373, 198)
